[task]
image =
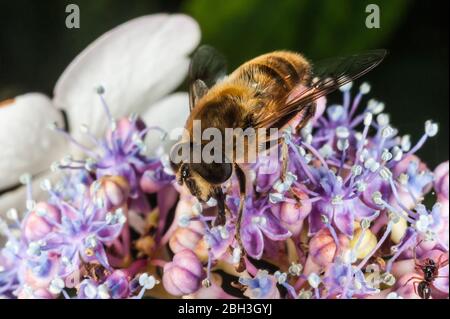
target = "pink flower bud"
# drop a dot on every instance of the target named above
(441, 181)
(124, 129)
(110, 192)
(184, 274)
(38, 222)
(291, 213)
(189, 238)
(322, 247)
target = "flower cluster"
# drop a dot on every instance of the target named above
(78, 242)
(346, 213)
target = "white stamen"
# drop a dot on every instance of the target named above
(342, 132)
(377, 198)
(12, 214)
(25, 178)
(364, 88)
(383, 119)
(314, 280)
(368, 117)
(346, 87)
(385, 173)
(361, 186)
(405, 143)
(275, 198)
(281, 277)
(397, 153)
(146, 281)
(387, 132)
(375, 106)
(100, 89)
(431, 128)
(337, 200)
(46, 185)
(343, 144)
(386, 156)
(295, 269)
(56, 286)
(326, 151)
(371, 164)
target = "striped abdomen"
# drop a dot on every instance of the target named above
(272, 75)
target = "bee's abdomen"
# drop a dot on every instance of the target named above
(274, 74)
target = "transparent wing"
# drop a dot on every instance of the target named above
(326, 76)
(207, 66)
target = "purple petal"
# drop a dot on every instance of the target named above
(273, 229)
(343, 218)
(253, 241)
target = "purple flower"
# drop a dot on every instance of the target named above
(122, 153)
(259, 221)
(262, 286)
(346, 281)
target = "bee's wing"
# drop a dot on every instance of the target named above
(327, 76)
(207, 66)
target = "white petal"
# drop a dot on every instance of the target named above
(137, 63)
(16, 198)
(27, 144)
(170, 113)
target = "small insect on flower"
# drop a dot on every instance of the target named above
(430, 272)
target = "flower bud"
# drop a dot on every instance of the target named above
(118, 285)
(37, 224)
(184, 274)
(110, 192)
(322, 247)
(123, 130)
(191, 238)
(291, 213)
(398, 230)
(366, 244)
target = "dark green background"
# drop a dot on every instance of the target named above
(35, 46)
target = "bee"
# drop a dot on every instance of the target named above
(266, 92)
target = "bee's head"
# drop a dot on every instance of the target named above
(201, 177)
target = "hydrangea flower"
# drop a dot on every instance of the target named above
(147, 50)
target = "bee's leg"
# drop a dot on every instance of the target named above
(242, 189)
(307, 114)
(221, 216)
